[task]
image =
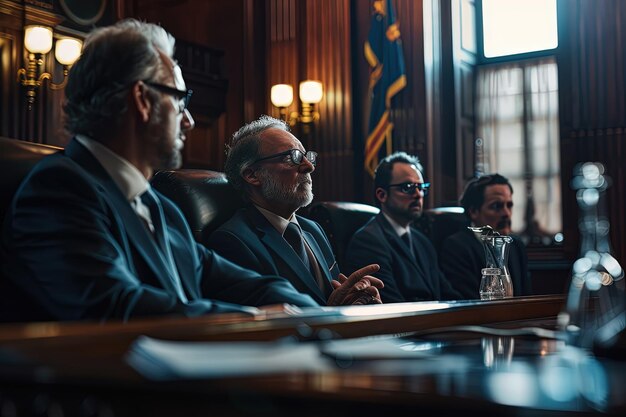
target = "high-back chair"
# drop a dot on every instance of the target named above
(340, 220)
(440, 222)
(17, 158)
(205, 197)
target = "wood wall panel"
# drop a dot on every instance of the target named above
(311, 40)
(212, 24)
(327, 45)
(592, 85)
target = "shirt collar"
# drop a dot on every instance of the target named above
(279, 223)
(126, 176)
(400, 230)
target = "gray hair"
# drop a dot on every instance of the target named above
(113, 59)
(244, 148)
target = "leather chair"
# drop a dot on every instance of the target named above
(440, 222)
(17, 158)
(205, 197)
(340, 220)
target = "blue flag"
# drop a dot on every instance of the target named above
(383, 51)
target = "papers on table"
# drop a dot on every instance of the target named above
(166, 360)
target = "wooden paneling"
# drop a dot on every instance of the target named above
(327, 46)
(211, 24)
(592, 86)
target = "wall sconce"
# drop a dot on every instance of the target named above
(38, 42)
(311, 93)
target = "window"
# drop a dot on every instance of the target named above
(517, 108)
(512, 27)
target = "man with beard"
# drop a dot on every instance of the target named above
(271, 169)
(407, 259)
(487, 200)
(86, 237)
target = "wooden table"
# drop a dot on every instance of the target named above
(80, 368)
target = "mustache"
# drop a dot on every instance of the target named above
(305, 179)
(503, 223)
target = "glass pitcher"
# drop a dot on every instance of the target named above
(496, 280)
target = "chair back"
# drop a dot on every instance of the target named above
(440, 222)
(17, 158)
(340, 220)
(205, 197)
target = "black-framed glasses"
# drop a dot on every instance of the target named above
(183, 96)
(410, 187)
(295, 156)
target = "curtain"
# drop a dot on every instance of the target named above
(517, 119)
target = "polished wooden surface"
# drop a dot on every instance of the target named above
(81, 367)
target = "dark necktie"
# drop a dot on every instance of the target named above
(293, 236)
(161, 236)
(406, 238)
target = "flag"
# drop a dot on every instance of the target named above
(383, 52)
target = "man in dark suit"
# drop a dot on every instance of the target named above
(273, 172)
(86, 237)
(487, 200)
(408, 262)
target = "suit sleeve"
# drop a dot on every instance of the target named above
(239, 280)
(64, 249)
(230, 282)
(525, 276)
(228, 245)
(458, 265)
(365, 249)
(447, 291)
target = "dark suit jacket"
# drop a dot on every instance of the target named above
(463, 257)
(407, 276)
(73, 246)
(249, 239)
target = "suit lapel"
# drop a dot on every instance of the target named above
(422, 263)
(276, 244)
(416, 258)
(137, 233)
(392, 237)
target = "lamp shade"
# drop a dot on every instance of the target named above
(38, 39)
(67, 50)
(282, 95)
(311, 91)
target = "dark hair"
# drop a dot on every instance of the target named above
(473, 196)
(382, 175)
(244, 147)
(113, 58)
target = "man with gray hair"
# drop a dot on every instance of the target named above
(271, 169)
(86, 236)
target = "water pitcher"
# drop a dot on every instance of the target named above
(496, 280)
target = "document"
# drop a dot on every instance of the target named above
(166, 360)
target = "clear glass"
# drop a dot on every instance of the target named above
(496, 280)
(492, 284)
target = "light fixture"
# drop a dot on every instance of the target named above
(311, 93)
(38, 42)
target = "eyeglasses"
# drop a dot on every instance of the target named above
(295, 156)
(410, 187)
(499, 205)
(183, 96)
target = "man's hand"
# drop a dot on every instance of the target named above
(359, 288)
